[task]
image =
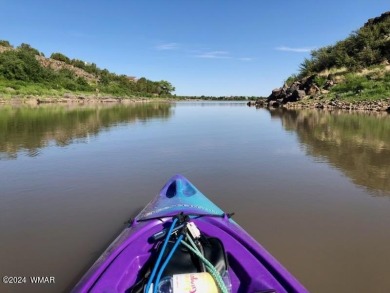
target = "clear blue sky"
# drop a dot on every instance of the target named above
(203, 47)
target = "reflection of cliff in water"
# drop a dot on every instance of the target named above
(32, 128)
(356, 143)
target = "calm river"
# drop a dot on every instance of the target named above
(313, 187)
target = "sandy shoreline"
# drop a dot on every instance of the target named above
(77, 99)
(82, 99)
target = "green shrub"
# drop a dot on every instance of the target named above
(78, 63)
(353, 83)
(27, 48)
(320, 80)
(5, 44)
(60, 57)
(21, 65)
(83, 85)
(291, 79)
(69, 85)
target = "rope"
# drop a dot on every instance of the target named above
(209, 266)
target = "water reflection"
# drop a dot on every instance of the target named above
(356, 143)
(30, 129)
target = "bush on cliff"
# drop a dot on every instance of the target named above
(60, 57)
(367, 46)
(21, 65)
(5, 43)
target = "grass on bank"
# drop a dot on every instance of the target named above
(372, 86)
(19, 88)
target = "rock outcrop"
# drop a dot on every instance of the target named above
(306, 93)
(297, 91)
(378, 19)
(58, 65)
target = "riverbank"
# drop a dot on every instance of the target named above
(352, 74)
(329, 104)
(366, 90)
(70, 98)
(74, 98)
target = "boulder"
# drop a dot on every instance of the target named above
(307, 82)
(297, 95)
(279, 93)
(69, 95)
(274, 104)
(260, 102)
(313, 89)
(293, 87)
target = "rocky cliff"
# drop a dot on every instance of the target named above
(352, 74)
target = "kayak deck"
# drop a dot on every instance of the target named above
(251, 267)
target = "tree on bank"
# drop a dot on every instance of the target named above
(21, 67)
(166, 88)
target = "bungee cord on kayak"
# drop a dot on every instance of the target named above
(160, 255)
(177, 243)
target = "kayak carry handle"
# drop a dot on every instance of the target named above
(171, 190)
(179, 187)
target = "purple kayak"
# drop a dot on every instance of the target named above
(250, 267)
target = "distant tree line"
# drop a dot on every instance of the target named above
(219, 98)
(21, 65)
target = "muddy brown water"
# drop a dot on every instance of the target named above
(312, 187)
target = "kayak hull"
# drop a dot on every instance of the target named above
(251, 267)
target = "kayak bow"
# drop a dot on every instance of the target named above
(251, 268)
